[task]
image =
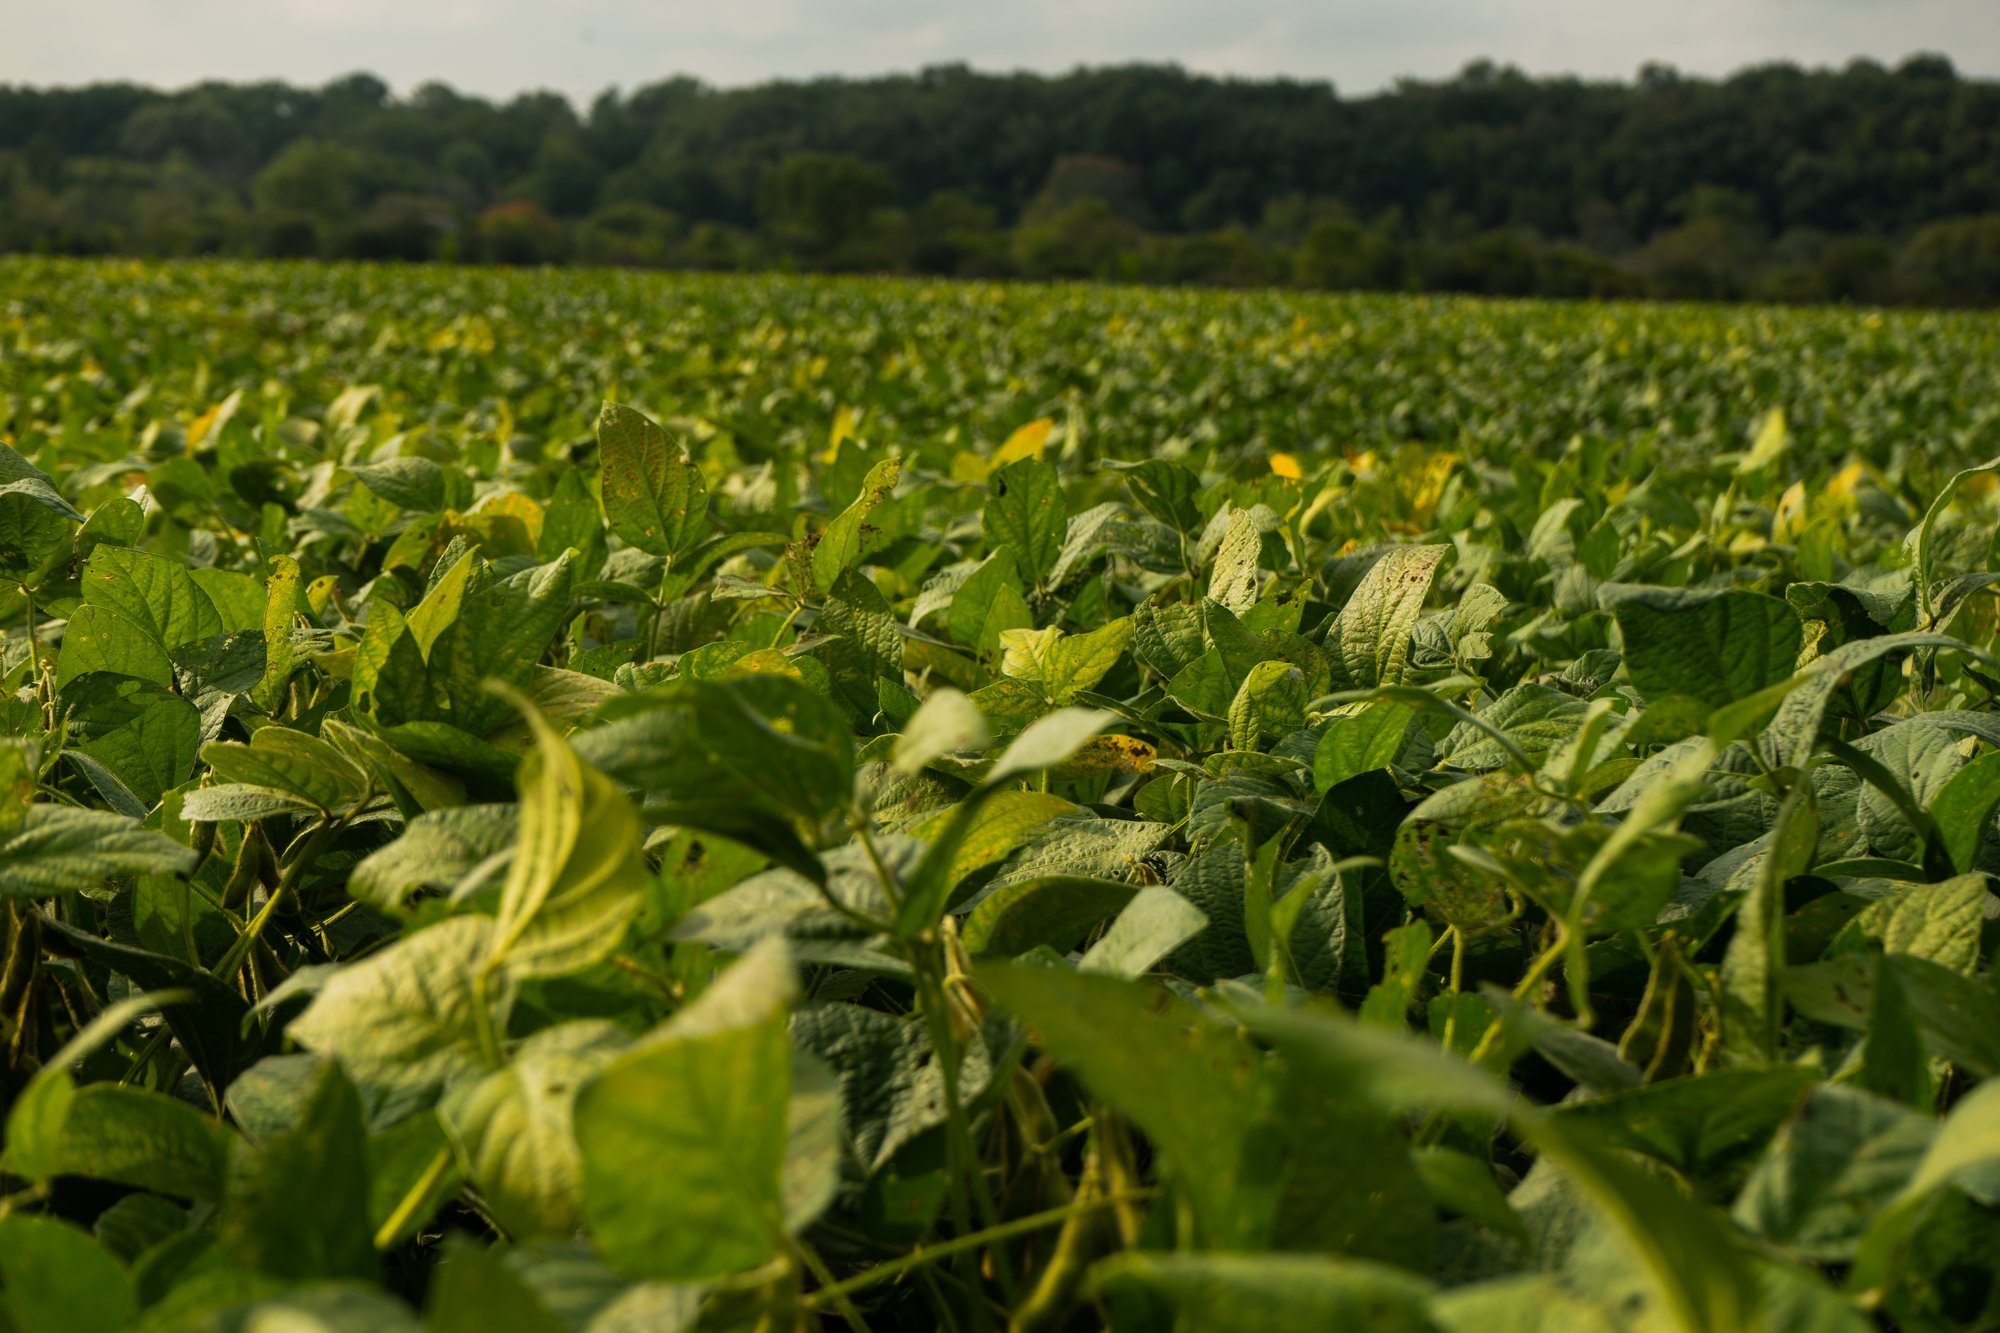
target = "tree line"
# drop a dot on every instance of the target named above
(1867, 183)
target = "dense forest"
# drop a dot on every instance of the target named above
(1867, 183)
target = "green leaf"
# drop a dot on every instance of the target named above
(1026, 516)
(1360, 742)
(32, 531)
(1272, 1293)
(1465, 1185)
(1530, 1303)
(290, 761)
(402, 1021)
(709, 1094)
(32, 1147)
(1199, 1093)
(1537, 719)
(411, 1174)
(1001, 825)
(1166, 490)
(128, 1136)
(1270, 703)
(1048, 741)
(1964, 809)
(391, 681)
(119, 522)
(155, 594)
(1940, 922)
(1921, 541)
(863, 644)
(1051, 910)
(415, 483)
(436, 850)
(1718, 646)
(1685, 1252)
(155, 751)
(781, 739)
(474, 1290)
(1317, 919)
(99, 639)
(514, 1128)
(20, 771)
(947, 723)
(62, 848)
(987, 604)
(238, 598)
(54, 1276)
(1703, 1127)
(210, 1026)
(1769, 445)
(1168, 638)
(887, 1074)
(1833, 1166)
(500, 633)
(24, 478)
(1406, 953)
(653, 495)
(1794, 730)
(847, 538)
(1233, 579)
(1953, 1012)
(297, 1204)
(1370, 639)
(216, 805)
(1155, 923)
(571, 521)
(443, 600)
(1754, 965)
(1968, 1140)
(1893, 1060)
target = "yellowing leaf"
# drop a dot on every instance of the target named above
(509, 524)
(1027, 442)
(1789, 519)
(845, 419)
(578, 872)
(1286, 466)
(1772, 440)
(1063, 665)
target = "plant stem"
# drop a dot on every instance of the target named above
(308, 848)
(824, 1276)
(385, 1236)
(926, 1254)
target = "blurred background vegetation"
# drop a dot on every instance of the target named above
(1866, 184)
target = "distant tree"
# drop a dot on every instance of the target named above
(565, 179)
(812, 203)
(410, 227)
(310, 177)
(200, 127)
(519, 232)
(1077, 177)
(1337, 253)
(1694, 186)
(1956, 260)
(953, 234)
(628, 234)
(1085, 240)
(1857, 268)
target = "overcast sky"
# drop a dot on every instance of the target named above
(579, 47)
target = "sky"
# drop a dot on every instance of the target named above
(580, 47)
